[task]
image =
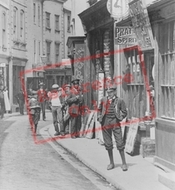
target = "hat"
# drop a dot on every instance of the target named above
(66, 85)
(55, 86)
(41, 84)
(111, 88)
(75, 81)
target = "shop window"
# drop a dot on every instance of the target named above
(57, 23)
(134, 85)
(57, 51)
(167, 71)
(15, 11)
(47, 20)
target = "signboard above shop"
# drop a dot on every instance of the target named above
(124, 35)
(141, 24)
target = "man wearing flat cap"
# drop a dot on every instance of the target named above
(55, 99)
(76, 118)
(111, 111)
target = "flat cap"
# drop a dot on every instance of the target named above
(55, 86)
(111, 88)
(75, 80)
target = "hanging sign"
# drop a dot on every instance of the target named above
(141, 24)
(124, 35)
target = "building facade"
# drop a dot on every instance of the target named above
(148, 60)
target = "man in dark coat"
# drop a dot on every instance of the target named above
(21, 100)
(111, 111)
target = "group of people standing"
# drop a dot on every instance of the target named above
(64, 103)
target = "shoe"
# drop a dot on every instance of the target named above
(57, 133)
(73, 137)
(62, 134)
(124, 167)
(110, 167)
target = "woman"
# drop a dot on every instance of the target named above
(6, 100)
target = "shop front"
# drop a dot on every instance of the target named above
(98, 26)
(151, 68)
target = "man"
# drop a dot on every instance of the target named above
(76, 90)
(56, 100)
(111, 111)
(21, 101)
(2, 104)
(42, 98)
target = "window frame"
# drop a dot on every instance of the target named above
(57, 51)
(68, 23)
(34, 13)
(57, 23)
(48, 20)
(4, 26)
(39, 15)
(166, 102)
(15, 21)
(22, 21)
(48, 51)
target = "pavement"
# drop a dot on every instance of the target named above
(141, 174)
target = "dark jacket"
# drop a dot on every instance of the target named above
(119, 111)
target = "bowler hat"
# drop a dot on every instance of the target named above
(55, 86)
(75, 80)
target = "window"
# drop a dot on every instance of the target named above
(136, 93)
(22, 23)
(57, 22)
(3, 29)
(15, 10)
(166, 102)
(68, 23)
(48, 44)
(47, 20)
(39, 16)
(57, 50)
(34, 51)
(39, 45)
(34, 12)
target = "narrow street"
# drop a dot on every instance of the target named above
(26, 165)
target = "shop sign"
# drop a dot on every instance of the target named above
(141, 24)
(124, 35)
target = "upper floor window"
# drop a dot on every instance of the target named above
(22, 23)
(57, 22)
(15, 11)
(34, 12)
(48, 51)
(39, 15)
(68, 23)
(57, 52)
(39, 50)
(3, 29)
(47, 20)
